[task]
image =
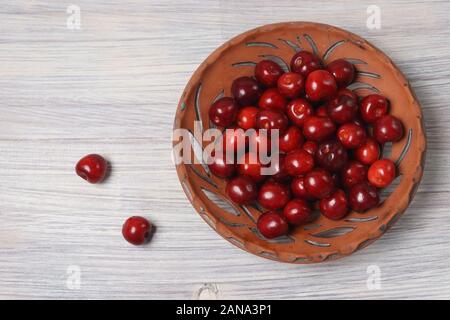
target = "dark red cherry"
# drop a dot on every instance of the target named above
(297, 211)
(250, 166)
(311, 147)
(279, 170)
(334, 207)
(304, 63)
(219, 165)
(297, 110)
(381, 173)
(320, 86)
(246, 91)
(388, 129)
(331, 155)
(319, 183)
(137, 230)
(318, 128)
(272, 99)
(272, 224)
(246, 117)
(363, 197)
(223, 112)
(347, 92)
(291, 139)
(273, 195)
(233, 141)
(259, 142)
(291, 85)
(373, 107)
(241, 190)
(267, 73)
(342, 109)
(92, 168)
(299, 190)
(353, 173)
(343, 71)
(369, 152)
(298, 162)
(272, 119)
(351, 135)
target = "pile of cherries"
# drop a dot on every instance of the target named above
(329, 141)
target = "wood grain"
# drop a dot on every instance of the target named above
(112, 87)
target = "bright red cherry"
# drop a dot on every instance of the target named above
(373, 107)
(92, 168)
(246, 117)
(334, 207)
(353, 173)
(273, 195)
(297, 211)
(381, 173)
(297, 110)
(267, 73)
(246, 91)
(319, 183)
(272, 224)
(331, 155)
(241, 190)
(234, 140)
(272, 119)
(320, 86)
(318, 128)
(310, 147)
(223, 112)
(343, 108)
(304, 63)
(280, 174)
(137, 230)
(291, 85)
(369, 152)
(219, 166)
(272, 99)
(363, 197)
(249, 165)
(291, 139)
(351, 135)
(299, 190)
(298, 162)
(388, 129)
(343, 71)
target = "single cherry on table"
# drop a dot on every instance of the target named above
(92, 168)
(137, 230)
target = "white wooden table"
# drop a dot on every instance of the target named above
(112, 87)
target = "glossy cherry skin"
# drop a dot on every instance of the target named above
(342, 109)
(280, 174)
(320, 86)
(267, 73)
(246, 91)
(260, 142)
(388, 129)
(291, 139)
(318, 128)
(319, 183)
(298, 162)
(351, 135)
(311, 147)
(272, 99)
(297, 110)
(92, 168)
(272, 224)
(137, 230)
(223, 112)
(233, 141)
(353, 173)
(297, 212)
(334, 207)
(219, 166)
(272, 119)
(246, 117)
(369, 152)
(291, 85)
(241, 190)
(381, 173)
(304, 63)
(298, 188)
(250, 166)
(343, 71)
(363, 197)
(273, 195)
(331, 155)
(373, 107)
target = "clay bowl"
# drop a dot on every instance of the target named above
(322, 239)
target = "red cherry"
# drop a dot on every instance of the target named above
(272, 99)
(92, 168)
(137, 230)
(363, 197)
(297, 110)
(351, 135)
(267, 73)
(321, 111)
(259, 142)
(246, 118)
(320, 85)
(291, 85)
(291, 139)
(246, 91)
(347, 92)
(299, 190)
(369, 152)
(297, 211)
(381, 173)
(219, 166)
(304, 63)
(273, 195)
(241, 190)
(272, 224)
(319, 183)
(334, 207)
(233, 141)
(331, 155)
(388, 129)
(280, 174)
(343, 71)
(318, 128)
(272, 119)
(310, 147)
(250, 166)
(353, 173)
(223, 112)
(373, 107)
(298, 162)
(343, 108)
